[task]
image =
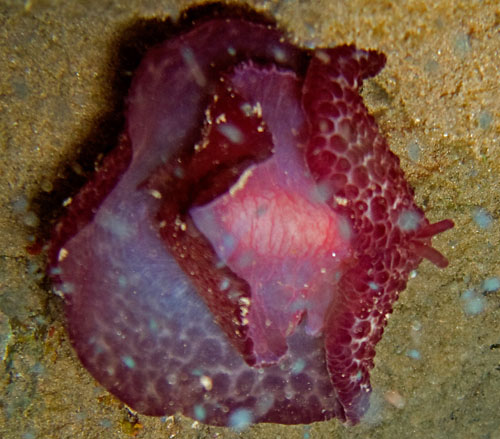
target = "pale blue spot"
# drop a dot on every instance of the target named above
(311, 44)
(197, 372)
(408, 220)
(194, 68)
(299, 305)
(153, 326)
(298, 366)
(413, 151)
(265, 403)
(200, 413)
(462, 45)
(279, 54)
(68, 287)
(20, 205)
(114, 224)
(105, 423)
(224, 285)
(468, 295)
(482, 217)
(228, 244)
(231, 132)
(128, 361)
(31, 219)
(321, 192)
(414, 354)
(38, 368)
(373, 285)
(416, 325)
(261, 210)
(179, 172)
(474, 306)
(472, 303)
(28, 435)
(485, 118)
(307, 434)
(247, 109)
(240, 419)
(431, 66)
(122, 281)
(81, 416)
(345, 229)
(246, 259)
(55, 271)
(98, 349)
(491, 284)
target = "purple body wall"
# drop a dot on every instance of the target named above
(240, 249)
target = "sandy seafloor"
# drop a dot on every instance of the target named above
(63, 73)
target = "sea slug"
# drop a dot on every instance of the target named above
(240, 250)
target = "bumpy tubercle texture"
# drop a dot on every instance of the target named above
(390, 233)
